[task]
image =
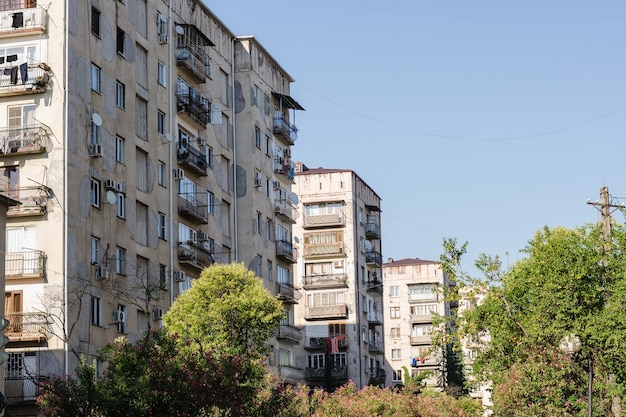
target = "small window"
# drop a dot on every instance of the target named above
(161, 173)
(120, 261)
(95, 250)
(397, 375)
(95, 193)
(96, 311)
(395, 312)
(161, 74)
(120, 206)
(394, 291)
(95, 134)
(95, 21)
(119, 149)
(163, 277)
(210, 203)
(395, 333)
(121, 35)
(121, 318)
(257, 137)
(161, 122)
(120, 95)
(162, 225)
(396, 354)
(96, 74)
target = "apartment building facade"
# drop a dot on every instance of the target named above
(339, 274)
(414, 290)
(122, 141)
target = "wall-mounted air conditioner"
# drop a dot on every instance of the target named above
(95, 150)
(102, 272)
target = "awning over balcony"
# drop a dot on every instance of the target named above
(288, 101)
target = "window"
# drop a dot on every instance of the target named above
(95, 21)
(269, 270)
(224, 86)
(316, 361)
(161, 74)
(161, 174)
(208, 154)
(162, 27)
(397, 375)
(95, 134)
(121, 35)
(95, 250)
(163, 277)
(396, 354)
(96, 76)
(121, 318)
(120, 261)
(257, 224)
(95, 193)
(394, 291)
(141, 235)
(270, 355)
(141, 118)
(120, 95)
(210, 204)
(258, 261)
(422, 292)
(141, 66)
(268, 145)
(96, 311)
(142, 18)
(394, 312)
(325, 298)
(423, 309)
(255, 95)
(161, 227)
(257, 137)
(120, 206)
(119, 149)
(395, 333)
(141, 160)
(15, 365)
(161, 122)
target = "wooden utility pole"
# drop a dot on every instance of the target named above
(606, 207)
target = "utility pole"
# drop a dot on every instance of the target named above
(606, 207)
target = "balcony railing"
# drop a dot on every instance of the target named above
(192, 208)
(286, 251)
(420, 340)
(336, 372)
(420, 318)
(20, 389)
(430, 360)
(291, 374)
(26, 139)
(27, 327)
(195, 254)
(286, 210)
(420, 297)
(310, 282)
(374, 286)
(375, 346)
(322, 220)
(34, 201)
(25, 264)
(18, 80)
(21, 18)
(375, 317)
(197, 108)
(287, 293)
(326, 312)
(284, 129)
(377, 376)
(322, 342)
(284, 167)
(193, 159)
(328, 249)
(290, 333)
(373, 258)
(372, 231)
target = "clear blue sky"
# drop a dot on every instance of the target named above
(483, 121)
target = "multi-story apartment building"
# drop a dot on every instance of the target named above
(127, 136)
(339, 272)
(414, 290)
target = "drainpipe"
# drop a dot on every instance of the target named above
(234, 119)
(170, 146)
(66, 351)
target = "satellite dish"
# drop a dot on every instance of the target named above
(180, 30)
(97, 119)
(295, 239)
(293, 197)
(111, 197)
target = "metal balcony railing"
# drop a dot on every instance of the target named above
(24, 139)
(372, 231)
(195, 254)
(373, 257)
(192, 208)
(336, 372)
(27, 326)
(19, 389)
(377, 376)
(375, 346)
(326, 311)
(22, 17)
(285, 249)
(375, 317)
(323, 342)
(287, 292)
(324, 281)
(284, 129)
(374, 286)
(34, 201)
(197, 108)
(193, 159)
(27, 79)
(285, 209)
(25, 264)
(284, 167)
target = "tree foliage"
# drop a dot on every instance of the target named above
(228, 310)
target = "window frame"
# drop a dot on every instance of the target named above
(95, 21)
(95, 196)
(119, 149)
(96, 78)
(120, 94)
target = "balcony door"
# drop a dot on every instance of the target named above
(20, 243)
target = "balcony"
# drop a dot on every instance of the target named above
(422, 297)
(290, 374)
(420, 318)
(31, 80)
(323, 250)
(286, 251)
(285, 210)
(373, 258)
(192, 159)
(191, 53)
(284, 167)
(324, 220)
(34, 201)
(420, 340)
(332, 311)
(27, 327)
(195, 255)
(310, 282)
(192, 208)
(377, 376)
(197, 108)
(375, 317)
(372, 231)
(283, 129)
(335, 372)
(23, 389)
(427, 361)
(374, 286)
(287, 293)
(317, 343)
(25, 264)
(375, 346)
(289, 333)
(28, 139)
(23, 17)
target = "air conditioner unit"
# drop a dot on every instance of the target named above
(338, 264)
(95, 150)
(110, 184)
(179, 174)
(179, 276)
(157, 313)
(201, 141)
(203, 236)
(121, 188)
(258, 180)
(119, 316)
(162, 37)
(276, 185)
(102, 272)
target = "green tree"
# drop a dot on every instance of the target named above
(227, 310)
